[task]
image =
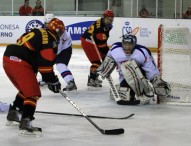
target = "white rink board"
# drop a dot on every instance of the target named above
(11, 27)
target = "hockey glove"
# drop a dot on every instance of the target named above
(161, 87)
(106, 68)
(55, 86)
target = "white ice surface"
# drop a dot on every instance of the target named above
(152, 125)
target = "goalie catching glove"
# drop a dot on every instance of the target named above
(54, 86)
(161, 87)
(106, 68)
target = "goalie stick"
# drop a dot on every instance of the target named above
(110, 80)
(91, 116)
(107, 132)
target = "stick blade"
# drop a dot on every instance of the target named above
(131, 115)
(114, 131)
(123, 102)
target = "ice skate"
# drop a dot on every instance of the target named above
(94, 84)
(42, 83)
(71, 87)
(26, 128)
(144, 99)
(98, 80)
(13, 116)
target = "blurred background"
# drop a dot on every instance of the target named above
(167, 9)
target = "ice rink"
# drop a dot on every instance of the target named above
(152, 125)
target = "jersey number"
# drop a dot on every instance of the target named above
(25, 38)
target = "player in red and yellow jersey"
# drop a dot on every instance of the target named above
(34, 52)
(100, 31)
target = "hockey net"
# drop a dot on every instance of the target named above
(174, 62)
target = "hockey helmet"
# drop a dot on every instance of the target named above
(56, 25)
(129, 41)
(48, 17)
(108, 13)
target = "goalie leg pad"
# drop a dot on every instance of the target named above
(135, 79)
(161, 87)
(124, 93)
(107, 67)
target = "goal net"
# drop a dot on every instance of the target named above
(174, 62)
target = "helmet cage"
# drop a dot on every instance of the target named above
(129, 39)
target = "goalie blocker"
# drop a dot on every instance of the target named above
(107, 67)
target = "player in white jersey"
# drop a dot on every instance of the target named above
(136, 67)
(63, 57)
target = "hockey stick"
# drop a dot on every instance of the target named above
(110, 80)
(107, 132)
(90, 116)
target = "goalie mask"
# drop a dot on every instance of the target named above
(129, 42)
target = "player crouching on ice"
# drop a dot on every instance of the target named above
(138, 73)
(34, 52)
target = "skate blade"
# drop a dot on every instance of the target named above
(44, 85)
(26, 133)
(145, 102)
(71, 92)
(11, 123)
(90, 88)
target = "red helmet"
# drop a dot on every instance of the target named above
(56, 25)
(108, 13)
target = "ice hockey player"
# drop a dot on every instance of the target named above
(63, 58)
(99, 30)
(34, 52)
(137, 70)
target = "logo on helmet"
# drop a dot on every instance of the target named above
(56, 25)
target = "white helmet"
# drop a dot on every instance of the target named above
(48, 17)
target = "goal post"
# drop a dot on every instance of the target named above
(174, 62)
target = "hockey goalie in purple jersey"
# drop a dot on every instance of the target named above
(138, 74)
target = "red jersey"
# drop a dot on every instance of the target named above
(100, 33)
(37, 49)
(38, 11)
(25, 11)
